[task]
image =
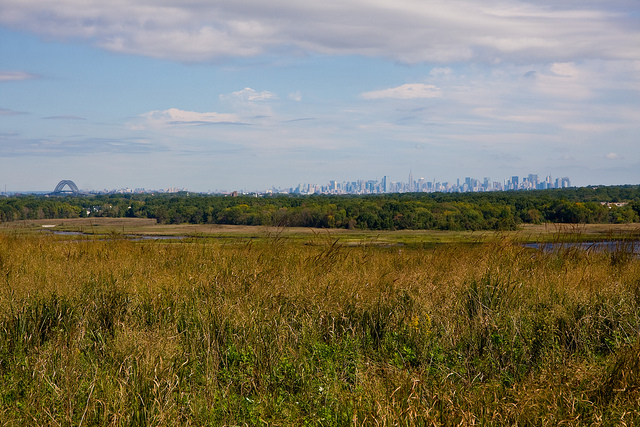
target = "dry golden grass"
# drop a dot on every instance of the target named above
(312, 331)
(149, 228)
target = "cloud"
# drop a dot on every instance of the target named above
(406, 91)
(440, 71)
(409, 31)
(584, 80)
(592, 127)
(174, 116)
(295, 96)
(66, 117)
(15, 146)
(248, 95)
(11, 76)
(501, 114)
(250, 104)
(303, 119)
(6, 112)
(565, 80)
(612, 156)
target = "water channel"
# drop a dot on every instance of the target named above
(629, 246)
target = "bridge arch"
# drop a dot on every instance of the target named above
(72, 188)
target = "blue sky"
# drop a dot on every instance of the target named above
(245, 95)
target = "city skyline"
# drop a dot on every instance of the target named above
(421, 185)
(242, 95)
(359, 186)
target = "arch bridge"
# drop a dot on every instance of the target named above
(60, 188)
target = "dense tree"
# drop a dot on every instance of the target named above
(444, 211)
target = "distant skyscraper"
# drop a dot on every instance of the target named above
(422, 186)
(528, 182)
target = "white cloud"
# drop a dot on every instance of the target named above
(17, 146)
(64, 117)
(565, 80)
(174, 116)
(248, 95)
(585, 80)
(406, 91)
(612, 156)
(184, 45)
(295, 96)
(250, 104)
(594, 127)
(531, 116)
(440, 71)
(409, 30)
(8, 76)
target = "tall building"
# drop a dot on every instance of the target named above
(467, 184)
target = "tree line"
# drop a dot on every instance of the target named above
(438, 211)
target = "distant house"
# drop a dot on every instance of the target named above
(616, 204)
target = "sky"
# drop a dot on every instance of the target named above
(210, 95)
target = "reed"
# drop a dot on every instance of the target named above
(277, 331)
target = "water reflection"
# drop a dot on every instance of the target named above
(604, 246)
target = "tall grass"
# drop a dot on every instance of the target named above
(280, 333)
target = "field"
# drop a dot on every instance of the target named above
(132, 227)
(259, 326)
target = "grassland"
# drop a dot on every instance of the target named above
(138, 227)
(309, 329)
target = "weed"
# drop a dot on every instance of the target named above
(280, 331)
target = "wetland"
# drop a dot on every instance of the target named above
(236, 325)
